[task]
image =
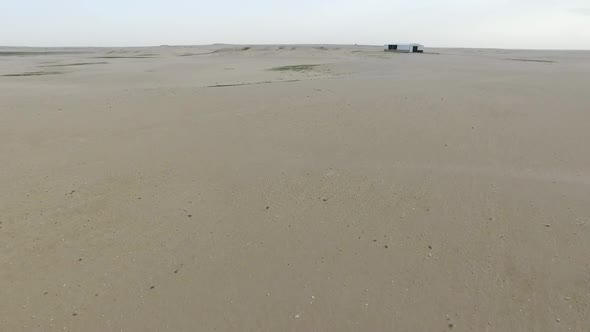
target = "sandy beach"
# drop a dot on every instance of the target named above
(294, 188)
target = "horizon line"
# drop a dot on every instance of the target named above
(295, 44)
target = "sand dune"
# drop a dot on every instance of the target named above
(294, 188)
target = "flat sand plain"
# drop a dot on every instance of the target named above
(294, 188)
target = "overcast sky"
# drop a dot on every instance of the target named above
(544, 24)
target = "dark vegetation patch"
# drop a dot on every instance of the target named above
(532, 60)
(194, 54)
(34, 73)
(297, 68)
(231, 49)
(76, 64)
(124, 57)
(253, 83)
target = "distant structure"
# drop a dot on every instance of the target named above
(404, 48)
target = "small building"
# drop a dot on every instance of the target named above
(404, 48)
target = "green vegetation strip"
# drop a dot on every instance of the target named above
(297, 68)
(34, 73)
(76, 64)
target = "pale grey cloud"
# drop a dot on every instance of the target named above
(581, 11)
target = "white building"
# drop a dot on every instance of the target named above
(404, 48)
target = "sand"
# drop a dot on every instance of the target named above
(294, 188)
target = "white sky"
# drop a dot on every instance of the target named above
(544, 24)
